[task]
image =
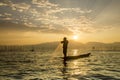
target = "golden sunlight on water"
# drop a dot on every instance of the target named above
(75, 52)
(39, 66)
(79, 66)
(75, 66)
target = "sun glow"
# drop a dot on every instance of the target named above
(75, 37)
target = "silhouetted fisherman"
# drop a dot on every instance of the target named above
(65, 44)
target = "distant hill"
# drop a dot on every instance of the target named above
(72, 45)
(103, 46)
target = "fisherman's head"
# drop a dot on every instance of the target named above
(64, 38)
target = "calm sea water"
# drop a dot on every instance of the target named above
(48, 65)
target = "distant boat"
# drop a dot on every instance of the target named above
(32, 50)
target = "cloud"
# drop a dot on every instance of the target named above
(74, 25)
(3, 4)
(20, 7)
(15, 6)
(6, 15)
(62, 10)
(47, 17)
(7, 18)
(51, 8)
(9, 26)
(44, 3)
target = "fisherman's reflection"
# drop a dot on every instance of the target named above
(64, 70)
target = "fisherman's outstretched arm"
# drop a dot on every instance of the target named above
(62, 41)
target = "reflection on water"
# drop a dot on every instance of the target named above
(75, 52)
(40, 66)
(74, 68)
(64, 70)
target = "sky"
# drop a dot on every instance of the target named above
(38, 21)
